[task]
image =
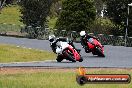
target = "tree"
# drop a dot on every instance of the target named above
(76, 15)
(99, 7)
(2, 2)
(34, 13)
(55, 8)
(117, 12)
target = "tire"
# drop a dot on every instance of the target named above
(59, 58)
(94, 53)
(81, 59)
(70, 58)
(99, 52)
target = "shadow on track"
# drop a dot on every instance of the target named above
(60, 62)
(95, 56)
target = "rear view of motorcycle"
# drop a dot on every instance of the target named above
(95, 47)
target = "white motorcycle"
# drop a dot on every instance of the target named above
(66, 51)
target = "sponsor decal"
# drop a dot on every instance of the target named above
(84, 78)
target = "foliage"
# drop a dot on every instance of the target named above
(99, 6)
(117, 12)
(4, 3)
(34, 13)
(51, 22)
(102, 26)
(55, 8)
(76, 15)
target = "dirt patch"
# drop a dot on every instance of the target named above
(33, 70)
(36, 69)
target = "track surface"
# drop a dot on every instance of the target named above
(116, 56)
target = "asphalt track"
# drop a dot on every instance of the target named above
(116, 56)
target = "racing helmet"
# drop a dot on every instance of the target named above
(51, 38)
(82, 33)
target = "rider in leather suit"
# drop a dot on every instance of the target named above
(53, 40)
(84, 38)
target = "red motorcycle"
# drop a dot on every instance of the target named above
(66, 51)
(95, 47)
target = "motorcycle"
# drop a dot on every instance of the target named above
(95, 47)
(66, 51)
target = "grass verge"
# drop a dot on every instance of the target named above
(10, 53)
(54, 78)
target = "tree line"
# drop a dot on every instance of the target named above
(77, 15)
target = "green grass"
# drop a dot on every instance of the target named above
(50, 79)
(18, 54)
(9, 19)
(10, 15)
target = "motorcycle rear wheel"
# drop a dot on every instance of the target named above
(99, 52)
(81, 59)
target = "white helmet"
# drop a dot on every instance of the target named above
(51, 38)
(82, 33)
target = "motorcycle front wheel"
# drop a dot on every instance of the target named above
(59, 58)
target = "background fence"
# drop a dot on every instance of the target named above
(21, 31)
(104, 38)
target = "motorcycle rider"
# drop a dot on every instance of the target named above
(84, 38)
(53, 40)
